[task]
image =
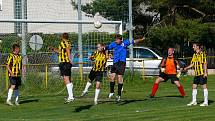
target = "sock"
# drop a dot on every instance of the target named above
(194, 95)
(16, 94)
(69, 89)
(206, 96)
(154, 89)
(120, 89)
(96, 94)
(87, 86)
(9, 95)
(112, 84)
(181, 90)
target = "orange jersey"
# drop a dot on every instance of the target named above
(170, 66)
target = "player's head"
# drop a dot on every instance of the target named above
(100, 47)
(65, 36)
(118, 39)
(170, 51)
(196, 46)
(16, 48)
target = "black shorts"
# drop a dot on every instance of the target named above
(166, 77)
(65, 68)
(96, 75)
(15, 81)
(118, 68)
(200, 80)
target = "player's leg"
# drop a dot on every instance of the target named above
(194, 92)
(180, 87)
(120, 85)
(120, 70)
(155, 86)
(16, 91)
(10, 91)
(69, 87)
(99, 77)
(97, 91)
(89, 83)
(175, 80)
(112, 84)
(205, 91)
(65, 70)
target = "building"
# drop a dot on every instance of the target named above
(46, 10)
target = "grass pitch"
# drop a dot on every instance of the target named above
(136, 105)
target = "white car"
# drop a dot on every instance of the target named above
(143, 57)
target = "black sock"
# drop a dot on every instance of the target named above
(112, 84)
(120, 89)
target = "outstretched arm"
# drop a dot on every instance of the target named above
(139, 40)
(53, 49)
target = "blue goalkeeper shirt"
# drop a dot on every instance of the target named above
(120, 50)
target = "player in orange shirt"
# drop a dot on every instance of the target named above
(168, 71)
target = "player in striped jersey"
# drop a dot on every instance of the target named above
(64, 52)
(14, 67)
(199, 63)
(100, 58)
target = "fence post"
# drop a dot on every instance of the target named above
(6, 79)
(143, 72)
(46, 80)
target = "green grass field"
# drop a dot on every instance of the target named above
(136, 106)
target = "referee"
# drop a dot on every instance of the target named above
(199, 63)
(65, 64)
(14, 67)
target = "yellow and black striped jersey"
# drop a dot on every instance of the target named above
(14, 61)
(198, 60)
(100, 61)
(63, 55)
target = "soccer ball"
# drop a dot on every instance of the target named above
(97, 24)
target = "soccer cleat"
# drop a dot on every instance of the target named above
(118, 99)
(151, 96)
(68, 101)
(192, 103)
(84, 94)
(204, 104)
(9, 103)
(110, 95)
(16, 103)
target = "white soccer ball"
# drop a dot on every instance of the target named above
(97, 24)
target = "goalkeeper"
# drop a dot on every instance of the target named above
(169, 71)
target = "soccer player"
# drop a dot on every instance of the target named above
(168, 71)
(199, 63)
(119, 62)
(100, 58)
(64, 52)
(14, 67)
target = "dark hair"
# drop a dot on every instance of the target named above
(197, 44)
(118, 36)
(15, 46)
(65, 36)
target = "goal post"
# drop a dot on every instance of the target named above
(44, 61)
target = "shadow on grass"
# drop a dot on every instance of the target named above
(177, 96)
(125, 102)
(28, 101)
(81, 108)
(209, 102)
